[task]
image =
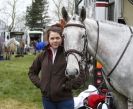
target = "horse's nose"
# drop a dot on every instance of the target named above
(71, 73)
(66, 73)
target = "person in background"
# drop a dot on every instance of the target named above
(48, 73)
(22, 45)
(33, 45)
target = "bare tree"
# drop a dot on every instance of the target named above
(20, 23)
(69, 4)
(12, 14)
(58, 7)
(77, 2)
(90, 8)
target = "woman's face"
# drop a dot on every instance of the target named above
(55, 39)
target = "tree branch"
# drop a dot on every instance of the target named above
(79, 2)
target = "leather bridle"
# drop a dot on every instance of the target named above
(82, 53)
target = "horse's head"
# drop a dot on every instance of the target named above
(74, 42)
(17, 43)
(10, 42)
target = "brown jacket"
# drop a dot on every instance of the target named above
(52, 81)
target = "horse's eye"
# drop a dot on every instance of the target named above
(83, 36)
(62, 36)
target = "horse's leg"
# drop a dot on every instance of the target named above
(121, 102)
(10, 54)
(7, 55)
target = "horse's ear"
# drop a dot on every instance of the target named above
(83, 14)
(65, 14)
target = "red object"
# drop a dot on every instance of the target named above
(99, 81)
(94, 100)
(104, 90)
(105, 4)
(99, 73)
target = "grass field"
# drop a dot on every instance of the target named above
(16, 90)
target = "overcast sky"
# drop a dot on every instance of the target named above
(21, 7)
(22, 4)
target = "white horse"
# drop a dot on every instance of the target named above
(10, 46)
(111, 43)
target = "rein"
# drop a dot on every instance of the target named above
(76, 25)
(122, 52)
(107, 77)
(120, 55)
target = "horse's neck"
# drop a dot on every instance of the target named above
(91, 27)
(10, 41)
(112, 41)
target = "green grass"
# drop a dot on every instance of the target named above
(16, 90)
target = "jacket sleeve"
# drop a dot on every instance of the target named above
(76, 82)
(34, 71)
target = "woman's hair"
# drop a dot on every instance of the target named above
(55, 28)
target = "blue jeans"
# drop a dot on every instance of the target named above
(64, 104)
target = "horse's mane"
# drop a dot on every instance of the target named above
(112, 23)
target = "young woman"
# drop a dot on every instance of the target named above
(56, 88)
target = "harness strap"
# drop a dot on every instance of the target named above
(107, 81)
(76, 25)
(122, 52)
(97, 40)
(106, 77)
(73, 51)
